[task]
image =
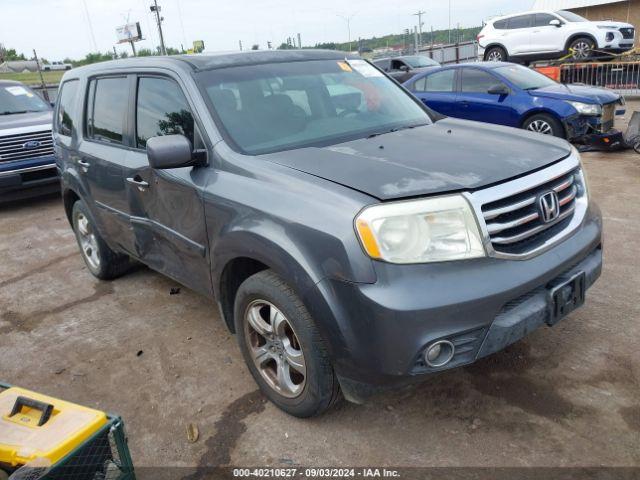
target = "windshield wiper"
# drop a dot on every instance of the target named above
(11, 112)
(396, 129)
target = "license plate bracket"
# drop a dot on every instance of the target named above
(566, 297)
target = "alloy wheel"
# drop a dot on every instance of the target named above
(540, 126)
(495, 56)
(88, 241)
(581, 50)
(275, 348)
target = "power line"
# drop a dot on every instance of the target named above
(184, 36)
(93, 37)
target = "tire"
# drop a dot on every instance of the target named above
(545, 124)
(581, 48)
(307, 385)
(496, 54)
(102, 262)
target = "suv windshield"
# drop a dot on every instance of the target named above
(16, 99)
(281, 106)
(420, 62)
(524, 78)
(571, 17)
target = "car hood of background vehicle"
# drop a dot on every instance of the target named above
(576, 93)
(26, 120)
(450, 155)
(610, 24)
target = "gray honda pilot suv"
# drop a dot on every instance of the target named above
(352, 239)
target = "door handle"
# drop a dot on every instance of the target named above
(138, 182)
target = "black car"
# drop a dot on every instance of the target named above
(353, 240)
(404, 68)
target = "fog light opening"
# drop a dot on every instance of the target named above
(439, 353)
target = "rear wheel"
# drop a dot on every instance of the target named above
(496, 54)
(101, 261)
(544, 124)
(282, 347)
(581, 48)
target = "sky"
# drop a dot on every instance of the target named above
(58, 29)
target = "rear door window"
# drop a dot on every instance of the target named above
(107, 109)
(440, 82)
(521, 21)
(67, 108)
(161, 109)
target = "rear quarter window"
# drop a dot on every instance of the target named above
(66, 113)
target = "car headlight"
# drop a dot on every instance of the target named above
(420, 231)
(587, 108)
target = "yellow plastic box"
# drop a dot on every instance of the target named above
(35, 426)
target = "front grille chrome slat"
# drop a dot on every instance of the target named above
(533, 231)
(499, 227)
(12, 147)
(515, 224)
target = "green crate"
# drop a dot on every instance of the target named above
(104, 456)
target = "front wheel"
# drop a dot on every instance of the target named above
(544, 124)
(282, 347)
(581, 48)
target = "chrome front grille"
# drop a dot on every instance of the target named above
(25, 145)
(627, 33)
(608, 116)
(515, 224)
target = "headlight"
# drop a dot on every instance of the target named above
(586, 108)
(420, 231)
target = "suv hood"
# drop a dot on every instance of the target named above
(610, 24)
(576, 93)
(26, 120)
(450, 155)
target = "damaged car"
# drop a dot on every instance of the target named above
(352, 239)
(516, 96)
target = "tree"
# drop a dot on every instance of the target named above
(8, 55)
(255, 47)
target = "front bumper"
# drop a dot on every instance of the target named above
(577, 126)
(28, 178)
(481, 306)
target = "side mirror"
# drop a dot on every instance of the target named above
(173, 151)
(555, 23)
(498, 89)
(405, 68)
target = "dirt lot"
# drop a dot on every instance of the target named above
(566, 396)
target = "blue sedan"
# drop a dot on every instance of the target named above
(516, 96)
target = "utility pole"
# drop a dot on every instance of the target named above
(419, 15)
(240, 43)
(449, 22)
(348, 20)
(45, 92)
(415, 40)
(156, 9)
(299, 41)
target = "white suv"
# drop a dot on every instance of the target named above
(545, 34)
